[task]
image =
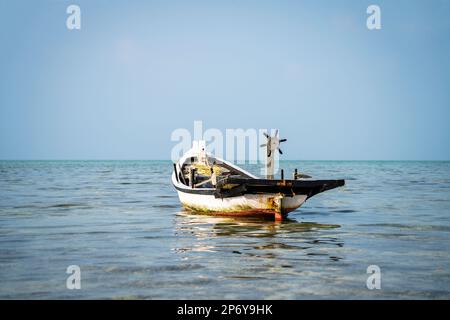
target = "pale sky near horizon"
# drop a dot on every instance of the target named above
(137, 70)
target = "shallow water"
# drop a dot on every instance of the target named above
(121, 222)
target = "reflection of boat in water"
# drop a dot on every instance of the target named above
(254, 226)
(256, 237)
(211, 185)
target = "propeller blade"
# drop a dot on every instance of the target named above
(279, 150)
(266, 135)
(263, 145)
(283, 140)
(276, 132)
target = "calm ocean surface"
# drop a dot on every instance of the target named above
(122, 223)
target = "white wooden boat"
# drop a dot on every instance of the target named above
(210, 185)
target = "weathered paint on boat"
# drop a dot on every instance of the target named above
(245, 205)
(270, 204)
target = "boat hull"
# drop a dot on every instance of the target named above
(275, 205)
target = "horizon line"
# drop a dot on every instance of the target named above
(245, 162)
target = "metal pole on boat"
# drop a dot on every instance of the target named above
(192, 177)
(282, 174)
(213, 176)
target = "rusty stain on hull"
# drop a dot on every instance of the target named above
(272, 205)
(266, 213)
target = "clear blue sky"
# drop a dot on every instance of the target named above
(139, 69)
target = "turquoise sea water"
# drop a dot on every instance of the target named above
(122, 224)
